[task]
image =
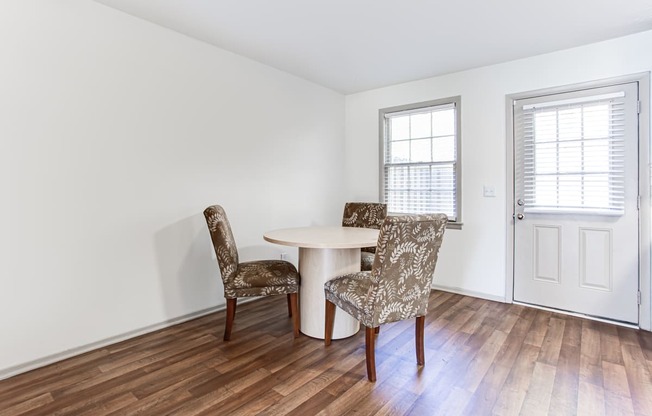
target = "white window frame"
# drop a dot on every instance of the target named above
(384, 115)
(550, 169)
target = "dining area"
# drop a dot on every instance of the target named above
(371, 269)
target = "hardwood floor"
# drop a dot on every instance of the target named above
(482, 357)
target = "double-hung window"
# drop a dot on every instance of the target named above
(420, 155)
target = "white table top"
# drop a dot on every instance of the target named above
(324, 237)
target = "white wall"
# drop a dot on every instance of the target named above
(473, 259)
(115, 134)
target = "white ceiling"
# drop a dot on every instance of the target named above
(357, 45)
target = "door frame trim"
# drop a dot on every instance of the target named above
(644, 223)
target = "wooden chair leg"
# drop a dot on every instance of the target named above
(330, 319)
(421, 360)
(377, 330)
(289, 305)
(370, 337)
(293, 299)
(230, 316)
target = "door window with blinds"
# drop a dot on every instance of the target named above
(572, 153)
(420, 156)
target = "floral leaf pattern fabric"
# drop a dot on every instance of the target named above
(364, 215)
(398, 285)
(253, 278)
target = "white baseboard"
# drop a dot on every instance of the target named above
(50, 359)
(471, 293)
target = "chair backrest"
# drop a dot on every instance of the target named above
(406, 255)
(223, 241)
(364, 214)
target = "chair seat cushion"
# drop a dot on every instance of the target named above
(367, 261)
(263, 273)
(351, 293)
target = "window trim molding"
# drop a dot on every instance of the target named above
(382, 130)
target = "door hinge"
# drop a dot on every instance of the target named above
(638, 297)
(638, 202)
(638, 107)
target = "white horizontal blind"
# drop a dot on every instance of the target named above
(573, 155)
(420, 160)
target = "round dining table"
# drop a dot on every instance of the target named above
(325, 252)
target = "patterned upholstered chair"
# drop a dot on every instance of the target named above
(253, 278)
(364, 215)
(397, 287)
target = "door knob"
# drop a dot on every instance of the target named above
(520, 216)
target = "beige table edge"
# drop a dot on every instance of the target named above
(324, 253)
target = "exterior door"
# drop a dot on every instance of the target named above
(576, 232)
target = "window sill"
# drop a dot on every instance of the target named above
(454, 226)
(451, 225)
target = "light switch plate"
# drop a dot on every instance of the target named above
(489, 191)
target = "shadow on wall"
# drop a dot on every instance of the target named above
(189, 275)
(188, 272)
(268, 252)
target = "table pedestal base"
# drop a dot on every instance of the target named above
(316, 266)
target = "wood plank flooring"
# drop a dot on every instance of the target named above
(482, 358)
